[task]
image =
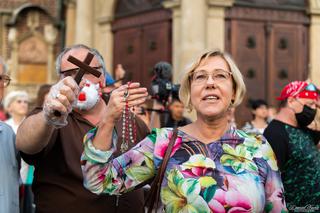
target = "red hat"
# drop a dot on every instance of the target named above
(300, 89)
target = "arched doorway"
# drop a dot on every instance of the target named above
(142, 37)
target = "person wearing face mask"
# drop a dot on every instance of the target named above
(294, 144)
(53, 144)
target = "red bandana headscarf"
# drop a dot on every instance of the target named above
(299, 89)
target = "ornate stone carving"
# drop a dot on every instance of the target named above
(33, 20)
(256, 14)
(50, 33)
(33, 50)
(12, 35)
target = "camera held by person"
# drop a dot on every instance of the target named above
(161, 86)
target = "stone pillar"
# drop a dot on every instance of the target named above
(103, 35)
(314, 51)
(216, 23)
(189, 32)
(4, 18)
(176, 34)
(13, 62)
(50, 35)
(193, 30)
(84, 22)
(70, 22)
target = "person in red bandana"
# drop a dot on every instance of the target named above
(294, 144)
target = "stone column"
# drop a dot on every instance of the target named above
(176, 28)
(193, 30)
(13, 62)
(216, 23)
(50, 35)
(84, 22)
(103, 35)
(70, 22)
(189, 32)
(4, 18)
(314, 51)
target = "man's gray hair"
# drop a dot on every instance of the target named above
(80, 46)
(5, 68)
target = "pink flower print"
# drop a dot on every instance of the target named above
(197, 166)
(162, 145)
(229, 201)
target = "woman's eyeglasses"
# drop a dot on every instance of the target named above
(4, 80)
(219, 76)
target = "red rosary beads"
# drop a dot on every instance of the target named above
(129, 130)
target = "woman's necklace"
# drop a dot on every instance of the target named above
(129, 130)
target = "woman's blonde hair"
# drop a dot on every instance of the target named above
(237, 79)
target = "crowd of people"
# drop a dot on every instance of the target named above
(96, 145)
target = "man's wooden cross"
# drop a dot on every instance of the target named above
(84, 67)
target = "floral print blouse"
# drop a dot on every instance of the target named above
(237, 173)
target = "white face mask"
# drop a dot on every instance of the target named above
(88, 96)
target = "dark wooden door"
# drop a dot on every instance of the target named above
(287, 57)
(140, 41)
(270, 49)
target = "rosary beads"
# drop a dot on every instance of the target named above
(129, 130)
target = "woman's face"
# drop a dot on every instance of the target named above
(212, 88)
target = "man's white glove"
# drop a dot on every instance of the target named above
(58, 103)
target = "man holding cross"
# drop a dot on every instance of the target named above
(51, 137)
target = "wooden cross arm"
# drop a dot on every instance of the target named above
(84, 67)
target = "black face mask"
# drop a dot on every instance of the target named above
(305, 117)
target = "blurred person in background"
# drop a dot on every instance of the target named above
(119, 75)
(16, 103)
(42, 94)
(3, 114)
(176, 118)
(9, 160)
(295, 144)
(259, 110)
(272, 112)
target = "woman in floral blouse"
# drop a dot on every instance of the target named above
(213, 167)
